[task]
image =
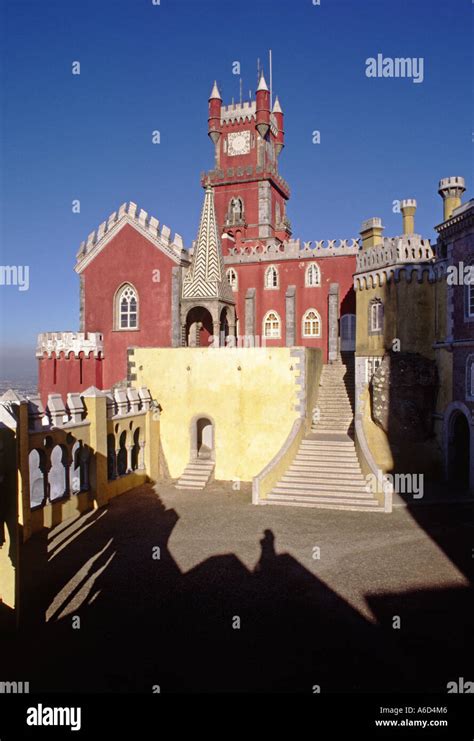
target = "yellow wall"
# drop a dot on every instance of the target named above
(408, 317)
(250, 394)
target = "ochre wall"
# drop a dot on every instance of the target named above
(250, 394)
(408, 317)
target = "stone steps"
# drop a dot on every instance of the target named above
(325, 472)
(195, 475)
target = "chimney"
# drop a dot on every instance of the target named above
(371, 232)
(451, 190)
(408, 208)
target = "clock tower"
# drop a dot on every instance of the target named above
(249, 194)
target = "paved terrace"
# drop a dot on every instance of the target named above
(304, 621)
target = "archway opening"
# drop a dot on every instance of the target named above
(204, 438)
(199, 327)
(459, 451)
(224, 326)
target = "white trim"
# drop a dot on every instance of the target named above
(265, 319)
(306, 276)
(305, 319)
(83, 262)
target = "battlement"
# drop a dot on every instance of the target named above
(292, 249)
(395, 251)
(239, 112)
(141, 219)
(67, 342)
(220, 176)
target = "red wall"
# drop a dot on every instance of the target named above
(128, 258)
(292, 273)
(61, 375)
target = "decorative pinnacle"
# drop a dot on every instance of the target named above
(262, 85)
(277, 106)
(215, 94)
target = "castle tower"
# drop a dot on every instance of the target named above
(207, 302)
(250, 195)
(408, 209)
(451, 190)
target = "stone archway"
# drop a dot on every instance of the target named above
(202, 432)
(199, 327)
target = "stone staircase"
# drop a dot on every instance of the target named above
(334, 413)
(196, 474)
(326, 472)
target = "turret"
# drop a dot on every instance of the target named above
(280, 137)
(214, 120)
(263, 107)
(451, 190)
(408, 208)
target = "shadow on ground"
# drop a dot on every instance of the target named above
(143, 622)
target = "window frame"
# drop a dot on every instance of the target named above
(305, 319)
(118, 308)
(307, 282)
(264, 322)
(269, 270)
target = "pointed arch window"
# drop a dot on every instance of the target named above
(272, 326)
(311, 325)
(271, 278)
(375, 316)
(232, 278)
(126, 308)
(313, 275)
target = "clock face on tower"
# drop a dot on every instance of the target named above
(238, 143)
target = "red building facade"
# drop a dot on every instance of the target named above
(133, 273)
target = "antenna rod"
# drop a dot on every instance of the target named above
(271, 78)
(240, 91)
(258, 71)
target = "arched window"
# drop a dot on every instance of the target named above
(311, 325)
(126, 308)
(375, 316)
(313, 275)
(469, 291)
(271, 277)
(232, 278)
(235, 212)
(272, 326)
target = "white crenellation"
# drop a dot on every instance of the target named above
(238, 112)
(292, 249)
(75, 407)
(67, 342)
(149, 224)
(395, 251)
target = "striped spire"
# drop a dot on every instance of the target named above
(206, 276)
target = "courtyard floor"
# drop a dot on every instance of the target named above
(201, 591)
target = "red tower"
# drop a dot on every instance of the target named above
(249, 193)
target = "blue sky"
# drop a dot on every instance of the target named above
(146, 67)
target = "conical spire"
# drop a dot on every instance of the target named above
(206, 277)
(277, 106)
(262, 85)
(215, 92)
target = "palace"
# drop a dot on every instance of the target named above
(357, 359)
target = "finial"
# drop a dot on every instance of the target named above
(262, 85)
(215, 94)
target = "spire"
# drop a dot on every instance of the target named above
(215, 92)
(206, 277)
(277, 106)
(262, 85)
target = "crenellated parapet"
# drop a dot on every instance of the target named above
(245, 111)
(141, 220)
(220, 176)
(70, 342)
(293, 249)
(410, 256)
(395, 251)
